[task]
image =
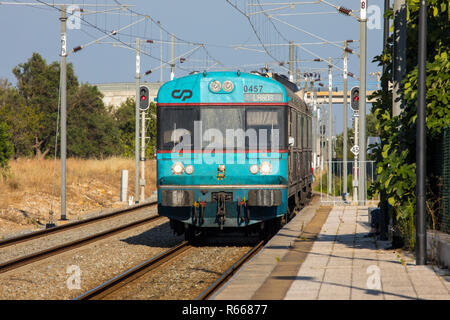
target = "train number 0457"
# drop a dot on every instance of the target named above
(255, 88)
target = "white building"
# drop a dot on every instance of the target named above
(114, 94)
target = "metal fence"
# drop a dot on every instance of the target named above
(332, 190)
(444, 217)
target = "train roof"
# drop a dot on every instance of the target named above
(245, 88)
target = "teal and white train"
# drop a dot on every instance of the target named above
(233, 151)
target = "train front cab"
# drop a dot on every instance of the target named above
(244, 187)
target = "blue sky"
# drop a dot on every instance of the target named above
(214, 23)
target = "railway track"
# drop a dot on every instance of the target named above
(230, 272)
(138, 271)
(24, 260)
(43, 233)
(134, 273)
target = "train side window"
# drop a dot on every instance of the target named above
(305, 124)
(307, 132)
(294, 127)
(302, 132)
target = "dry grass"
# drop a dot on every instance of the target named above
(26, 194)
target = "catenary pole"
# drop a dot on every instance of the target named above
(330, 111)
(421, 235)
(63, 86)
(344, 145)
(291, 61)
(172, 61)
(362, 104)
(136, 132)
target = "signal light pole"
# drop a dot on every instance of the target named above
(144, 103)
(354, 104)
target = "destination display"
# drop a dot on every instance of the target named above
(263, 97)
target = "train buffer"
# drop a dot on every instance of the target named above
(329, 253)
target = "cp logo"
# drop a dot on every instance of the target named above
(185, 94)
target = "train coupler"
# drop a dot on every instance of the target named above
(221, 198)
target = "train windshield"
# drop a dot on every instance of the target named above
(215, 127)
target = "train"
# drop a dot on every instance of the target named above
(233, 152)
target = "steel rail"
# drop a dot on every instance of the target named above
(134, 273)
(72, 225)
(231, 271)
(13, 264)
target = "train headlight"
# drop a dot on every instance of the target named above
(254, 169)
(177, 168)
(227, 86)
(215, 86)
(189, 169)
(265, 168)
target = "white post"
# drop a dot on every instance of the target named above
(124, 186)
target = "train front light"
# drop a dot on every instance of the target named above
(254, 169)
(189, 169)
(215, 86)
(177, 168)
(265, 168)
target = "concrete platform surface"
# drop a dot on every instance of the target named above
(342, 263)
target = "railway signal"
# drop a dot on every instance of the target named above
(143, 98)
(354, 96)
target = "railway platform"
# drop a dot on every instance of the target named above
(328, 253)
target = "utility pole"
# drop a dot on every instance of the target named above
(344, 147)
(421, 140)
(63, 86)
(160, 56)
(172, 63)
(399, 55)
(362, 104)
(330, 111)
(136, 132)
(297, 77)
(291, 61)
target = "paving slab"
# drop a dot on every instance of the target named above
(341, 262)
(361, 268)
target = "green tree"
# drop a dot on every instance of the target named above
(6, 147)
(38, 86)
(91, 130)
(125, 119)
(396, 158)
